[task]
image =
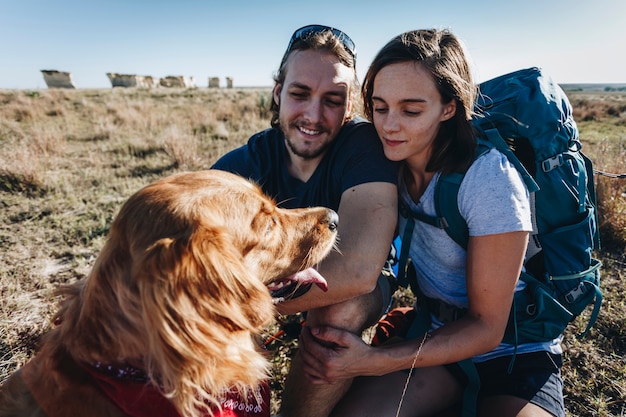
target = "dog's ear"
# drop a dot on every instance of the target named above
(200, 307)
(195, 285)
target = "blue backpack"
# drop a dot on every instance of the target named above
(528, 117)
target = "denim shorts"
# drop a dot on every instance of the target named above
(536, 377)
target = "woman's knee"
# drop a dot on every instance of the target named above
(430, 391)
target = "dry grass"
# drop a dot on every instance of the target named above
(602, 121)
(68, 159)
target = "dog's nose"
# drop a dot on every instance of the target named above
(333, 219)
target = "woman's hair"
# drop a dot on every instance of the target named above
(321, 41)
(442, 55)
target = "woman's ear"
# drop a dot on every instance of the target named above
(449, 110)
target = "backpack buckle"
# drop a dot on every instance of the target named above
(552, 163)
(575, 293)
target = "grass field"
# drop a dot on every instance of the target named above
(69, 158)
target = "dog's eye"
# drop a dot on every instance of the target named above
(271, 224)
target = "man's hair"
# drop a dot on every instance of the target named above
(324, 42)
(443, 56)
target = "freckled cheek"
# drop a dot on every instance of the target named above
(380, 124)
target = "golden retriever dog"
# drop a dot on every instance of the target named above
(168, 319)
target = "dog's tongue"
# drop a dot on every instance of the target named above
(310, 276)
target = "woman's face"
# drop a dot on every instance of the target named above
(407, 111)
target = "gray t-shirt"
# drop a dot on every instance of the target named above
(492, 199)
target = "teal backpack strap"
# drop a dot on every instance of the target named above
(421, 323)
(590, 280)
(447, 208)
(592, 197)
(594, 313)
(446, 196)
(406, 244)
(448, 217)
(498, 142)
(410, 216)
(470, 394)
(582, 185)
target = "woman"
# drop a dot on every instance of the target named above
(419, 93)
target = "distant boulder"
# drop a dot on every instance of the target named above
(58, 79)
(132, 80)
(177, 81)
(214, 82)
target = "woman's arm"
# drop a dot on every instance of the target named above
(494, 263)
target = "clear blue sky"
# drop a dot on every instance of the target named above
(575, 41)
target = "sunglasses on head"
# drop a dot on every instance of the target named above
(305, 31)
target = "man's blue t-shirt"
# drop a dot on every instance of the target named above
(354, 157)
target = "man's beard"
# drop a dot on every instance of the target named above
(306, 154)
(310, 154)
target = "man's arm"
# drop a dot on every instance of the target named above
(367, 220)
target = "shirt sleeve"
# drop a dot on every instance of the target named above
(364, 158)
(493, 197)
(253, 159)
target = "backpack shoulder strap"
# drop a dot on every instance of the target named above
(447, 188)
(447, 216)
(447, 208)
(494, 137)
(446, 199)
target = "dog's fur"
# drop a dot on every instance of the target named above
(179, 291)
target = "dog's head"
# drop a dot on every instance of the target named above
(182, 283)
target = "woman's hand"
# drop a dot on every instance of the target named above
(330, 355)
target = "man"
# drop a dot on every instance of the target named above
(318, 154)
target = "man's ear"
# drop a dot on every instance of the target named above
(276, 93)
(349, 106)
